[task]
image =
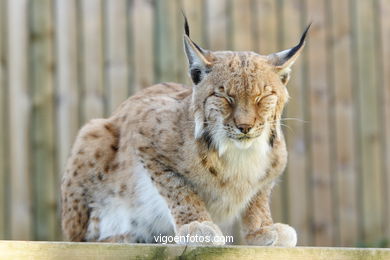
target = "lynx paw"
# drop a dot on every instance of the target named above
(200, 233)
(275, 235)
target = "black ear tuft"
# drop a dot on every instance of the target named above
(186, 27)
(301, 42)
(198, 59)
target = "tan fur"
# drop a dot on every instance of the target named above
(199, 180)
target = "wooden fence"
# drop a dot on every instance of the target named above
(63, 62)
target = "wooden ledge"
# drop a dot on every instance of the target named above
(68, 250)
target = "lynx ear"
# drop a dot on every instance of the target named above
(285, 59)
(198, 58)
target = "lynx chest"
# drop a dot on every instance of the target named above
(235, 181)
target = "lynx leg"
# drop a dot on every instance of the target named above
(259, 228)
(91, 156)
(188, 210)
(74, 215)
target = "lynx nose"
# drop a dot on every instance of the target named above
(244, 128)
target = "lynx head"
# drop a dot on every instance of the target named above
(237, 96)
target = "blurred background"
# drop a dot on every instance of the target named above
(63, 62)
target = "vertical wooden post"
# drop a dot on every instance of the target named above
(367, 88)
(4, 123)
(130, 47)
(345, 172)
(142, 14)
(265, 13)
(382, 11)
(319, 121)
(381, 96)
(216, 12)
(241, 15)
(94, 102)
(41, 62)
(165, 44)
(295, 176)
(116, 59)
(181, 69)
(19, 108)
(67, 84)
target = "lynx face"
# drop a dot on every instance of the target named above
(244, 98)
(238, 96)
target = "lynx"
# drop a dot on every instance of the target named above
(181, 160)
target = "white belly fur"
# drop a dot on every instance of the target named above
(143, 217)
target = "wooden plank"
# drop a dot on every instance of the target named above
(80, 60)
(4, 122)
(42, 141)
(229, 25)
(297, 198)
(94, 103)
(241, 30)
(217, 22)
(319, 126)
(381, 93)
(130, 47)
(205, 36)
(116, 59)
(330, 79)
(66, 250)
(67, 84)
(142, 25)
(383, 10)
(343, 125)
(195, 12)
(265, 13)
(165, 44)
(19, 109)
(255, 23)
(369, 123)
(357, 133)
(178, 29)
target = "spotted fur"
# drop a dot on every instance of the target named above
(175, 159)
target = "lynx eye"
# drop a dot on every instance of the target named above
(229, 99)
(267, 92)
(258, 99)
